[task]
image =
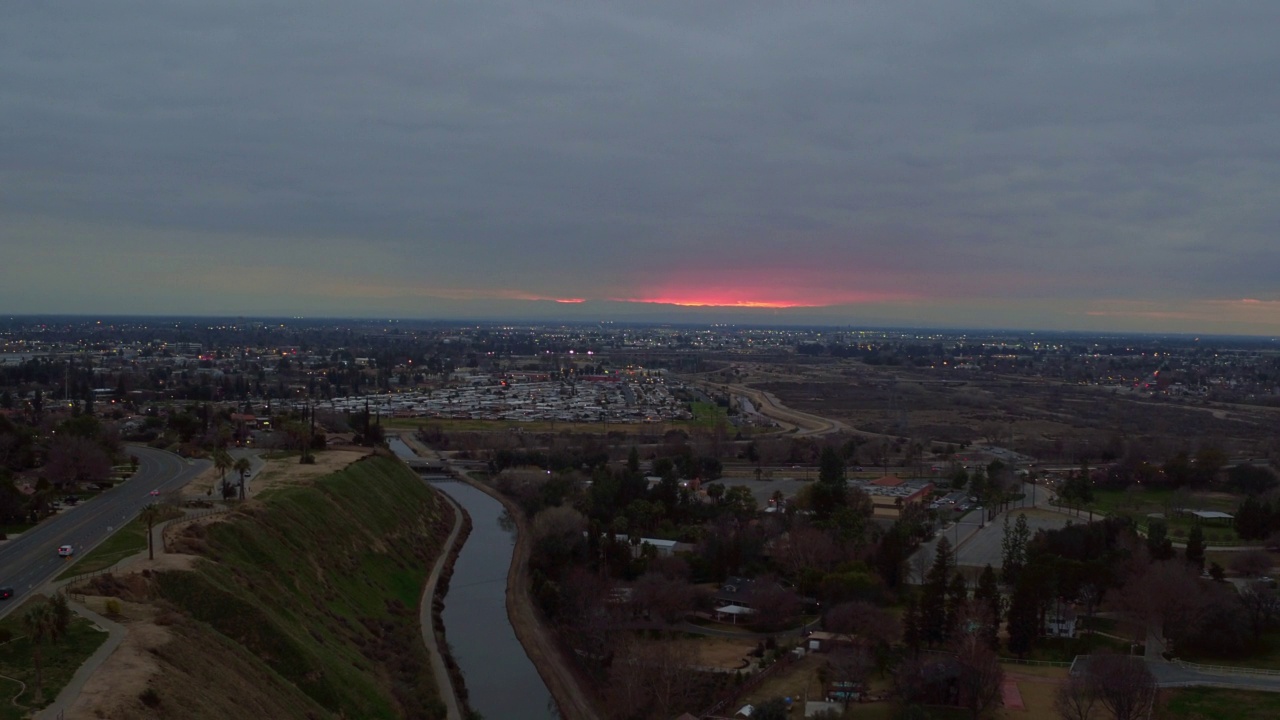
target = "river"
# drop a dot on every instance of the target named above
(502, 683)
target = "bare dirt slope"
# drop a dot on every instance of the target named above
(281, 471)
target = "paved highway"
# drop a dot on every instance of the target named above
(31, 559)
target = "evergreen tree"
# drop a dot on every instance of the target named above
(1024, 619)
(987, 595)
(1158, 543)
(829, 494)
(1253, 519)
(1013, 548)
(831, 467)
(933, 601)
(957, 599)
(891, 554)
(1196, 546)
(911, 625)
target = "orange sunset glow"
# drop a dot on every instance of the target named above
(690, 301)
(778, 298)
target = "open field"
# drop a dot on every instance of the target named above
(1140, 504)
(1218, 704)
(1043, 418)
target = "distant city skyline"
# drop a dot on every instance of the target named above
(1095, 166)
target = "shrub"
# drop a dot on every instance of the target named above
(112, 607)
(149, 697)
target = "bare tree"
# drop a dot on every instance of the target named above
(864, 624)
(1075, 699)
(981, 677)
(1166, 595)
(920, 562)
(668, 664)
(666, 599)
(849, 666)
(1261, 605)
(1123, 684)
(651, 678)
(774, 604)
(74, 460)
(1251, 563)
(806, 546)
(627, 686)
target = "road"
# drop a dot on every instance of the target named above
(31, 559)
(769, 406)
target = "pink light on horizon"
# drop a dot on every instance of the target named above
(755, 287)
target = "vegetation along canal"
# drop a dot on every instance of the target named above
(501, 681)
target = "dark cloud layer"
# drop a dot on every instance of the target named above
(1056, 164)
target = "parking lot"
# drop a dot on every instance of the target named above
(983, 546)
(762, 490)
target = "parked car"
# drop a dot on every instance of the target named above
(66, 551)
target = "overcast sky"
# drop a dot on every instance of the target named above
(1096, 164)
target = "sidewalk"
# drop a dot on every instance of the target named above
(72, 690)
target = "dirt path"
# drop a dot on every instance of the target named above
(426, 616)
(538, 642)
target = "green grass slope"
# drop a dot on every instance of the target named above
(322, 583)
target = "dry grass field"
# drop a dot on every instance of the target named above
(1043, 418)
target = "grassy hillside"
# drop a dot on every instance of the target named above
(322, 582)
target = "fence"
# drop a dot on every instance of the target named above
(752, 682)
(1042, 663)
(81, 577)
(1226, 669)
(191, 515)
(65, 589)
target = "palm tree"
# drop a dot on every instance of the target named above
(221, 462)
(150, 513)
(42, 622)
(242, 466)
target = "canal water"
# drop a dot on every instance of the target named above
(502, 683)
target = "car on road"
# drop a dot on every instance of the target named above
(66, 551)
(156, 491)
(6, 593)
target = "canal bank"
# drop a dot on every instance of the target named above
(502, 678)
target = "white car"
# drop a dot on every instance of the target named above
(66, 551)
